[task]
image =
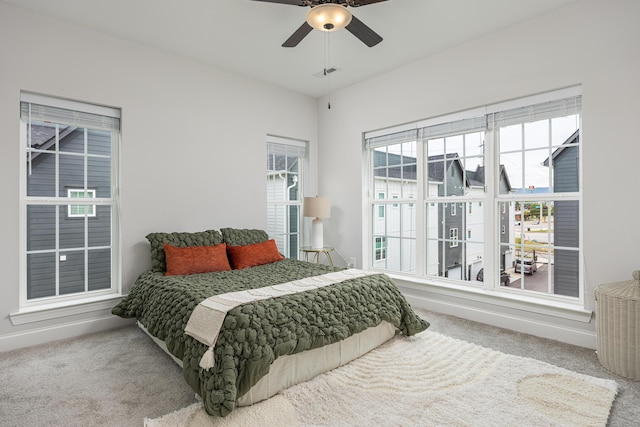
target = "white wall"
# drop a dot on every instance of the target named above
(590, 42)
(192, 136)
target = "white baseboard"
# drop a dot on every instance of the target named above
(543, 329)
(46, 334)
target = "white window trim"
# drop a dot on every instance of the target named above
(299, 147)
(64, 305)
(557, 305)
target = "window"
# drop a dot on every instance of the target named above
(80, 211)
(521, 157)
(285, 158)
(381, 208)
(381, 248)
(453, 238)
(69, 220)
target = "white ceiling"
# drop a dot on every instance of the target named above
(245, 36)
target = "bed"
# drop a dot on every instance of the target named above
(270, 343)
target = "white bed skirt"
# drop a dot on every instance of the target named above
(289, 370)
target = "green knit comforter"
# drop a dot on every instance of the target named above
(255, 334)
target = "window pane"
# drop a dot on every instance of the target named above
(536, 134)
(512, 163)
(71, 173)
(99, 142)
(99, 176)
(41, 275)
(99, 269)
(72, 270)
(566, 272)
(510, 138)
(71, 230)
(100, 227)
(566, 169)
(562, 128)
(72, 140)
(41, 175)
(41, 227)
(536, 175)
(474, 144)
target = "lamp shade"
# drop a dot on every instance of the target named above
(328, 17)
(317, 207)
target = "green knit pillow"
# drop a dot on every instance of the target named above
(243, 236)
(180, 240)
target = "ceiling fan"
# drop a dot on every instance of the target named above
(331, 15)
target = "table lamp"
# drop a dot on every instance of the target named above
(317, 208)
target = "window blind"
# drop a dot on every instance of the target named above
(541, 111)
(458, 127)
(69, 113)
(286, 146)
(392, 138)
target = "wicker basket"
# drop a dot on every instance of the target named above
(618, 326)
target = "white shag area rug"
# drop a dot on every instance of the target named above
(426, 380)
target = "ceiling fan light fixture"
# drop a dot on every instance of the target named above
(328, 17)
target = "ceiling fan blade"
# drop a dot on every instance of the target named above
(357, 3)
(363, 32)
(298, 35)
(291, 2)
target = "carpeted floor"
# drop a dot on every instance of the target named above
(117, 378)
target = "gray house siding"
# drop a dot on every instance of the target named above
(41, 219)
(453, 185)
(566, 178)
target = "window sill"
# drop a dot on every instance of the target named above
(63, 309)
(573, 311)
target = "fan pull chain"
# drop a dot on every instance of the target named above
(326, 66)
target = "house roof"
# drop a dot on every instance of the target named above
(573, 139)
(404, 167)
(476, 178)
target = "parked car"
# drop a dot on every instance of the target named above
(526, 266)
(504, 277)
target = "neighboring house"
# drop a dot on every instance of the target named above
(566, 220)
(451, 221)
(455, 230)
(68, 264)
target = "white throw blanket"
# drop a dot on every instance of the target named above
(207, 318)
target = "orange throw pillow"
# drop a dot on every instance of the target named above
(196, 259)
(256, 254)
